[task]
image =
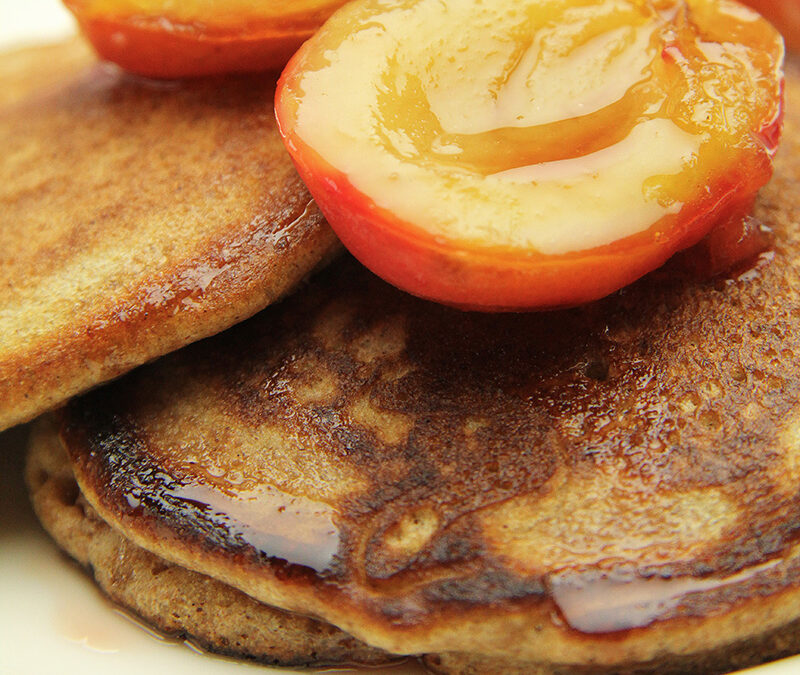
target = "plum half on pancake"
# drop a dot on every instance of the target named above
(611, 488)
(135, 218)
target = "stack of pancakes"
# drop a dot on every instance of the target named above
(351, 474)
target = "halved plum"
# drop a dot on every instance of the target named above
(530, 154)
(167, 39)
(785, 16)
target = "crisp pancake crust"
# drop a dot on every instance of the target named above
(175, 600)
(608, 486)
(221, 619)
(135, 218)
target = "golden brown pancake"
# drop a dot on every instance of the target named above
(606, 489)
(26, 70)
(173, 599)
(135, 218)
(221, 619)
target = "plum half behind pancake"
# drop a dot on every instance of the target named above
(136, 218)
(607, 488)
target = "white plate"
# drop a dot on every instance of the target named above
(52, 618)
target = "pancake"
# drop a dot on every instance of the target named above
(26, 70)
(605, 489)
(220, 619)
(176, 601)
(136, 218)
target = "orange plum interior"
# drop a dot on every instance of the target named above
(784, 14)
(529, 154)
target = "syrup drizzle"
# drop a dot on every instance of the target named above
(616, 603)
(280, 525)
(292, 528)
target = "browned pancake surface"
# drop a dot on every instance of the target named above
(610, 485)
(221, 619)
(137, 217)
(175, 600)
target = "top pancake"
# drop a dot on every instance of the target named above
(135, 217)
(24, 71)
(609, 485)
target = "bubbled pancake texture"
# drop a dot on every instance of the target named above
(477, 484)
(178, 602)
(135, 218)
(220, 619)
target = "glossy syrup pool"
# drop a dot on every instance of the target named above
(225, 510)
(292, 528)
(613, 603)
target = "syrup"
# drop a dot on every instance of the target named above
(616, 603)
(734, 247)
(293, 528)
